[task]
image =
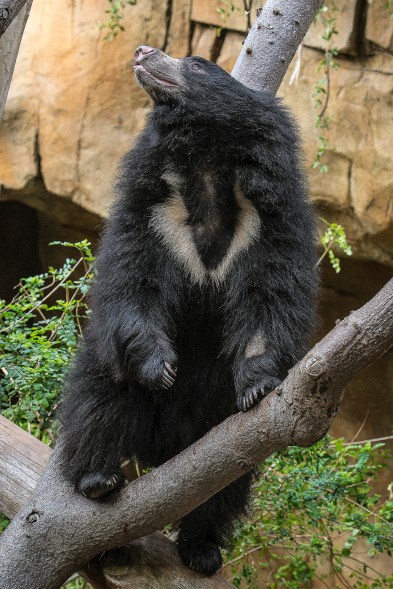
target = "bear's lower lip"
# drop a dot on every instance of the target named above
(139, 68)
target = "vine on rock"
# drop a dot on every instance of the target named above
(322, 89)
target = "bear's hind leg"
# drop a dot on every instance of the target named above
(96, 421)
(210, 526)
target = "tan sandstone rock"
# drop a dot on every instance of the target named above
(340, 15)
(73, 98)
(74, 105)
(220, 13)
(379, 27)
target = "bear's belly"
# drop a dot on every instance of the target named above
(173, 419)
(203, 394)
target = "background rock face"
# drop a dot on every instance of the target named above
(74, 105)
(74, 108)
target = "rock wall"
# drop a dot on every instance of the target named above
(74, 106)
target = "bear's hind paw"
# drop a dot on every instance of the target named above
(203, 557)
(94, 485)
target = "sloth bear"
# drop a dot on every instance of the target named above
(205, 287)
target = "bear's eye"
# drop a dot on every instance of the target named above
(197, 67)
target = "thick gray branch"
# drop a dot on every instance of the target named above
(13, 17)
(272, 42)
(60, 531)
(8, 11)
(149, 563)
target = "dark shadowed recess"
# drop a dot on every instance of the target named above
(29, 220)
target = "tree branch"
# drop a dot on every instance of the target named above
(8, 11)
(13, 17)
(151, 562)
(272, 42)
(299, 412)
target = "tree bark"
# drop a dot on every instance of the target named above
(59, 530)
(272, 42)
(149, 563)
(8, 11)
(13, 18)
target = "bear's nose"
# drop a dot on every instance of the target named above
(141, 51)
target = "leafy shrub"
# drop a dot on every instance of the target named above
(39, 330)
(316, 516)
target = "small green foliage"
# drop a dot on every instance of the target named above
(115, 13)
(77, 583)
(228, 8)
(307, 499)
(39, 330)
(3, 523)
(334, 235)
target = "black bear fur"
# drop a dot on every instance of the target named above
(205, 289)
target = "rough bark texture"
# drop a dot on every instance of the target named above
(149, 563)
(272, 42)
(13, 17)
(8, 11)
(298, 412)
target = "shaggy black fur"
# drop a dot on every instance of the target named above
(172, 348)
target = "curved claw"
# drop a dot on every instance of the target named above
(172, 370)
(168, 376)
(166, 383)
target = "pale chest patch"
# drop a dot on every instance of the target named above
(170, 221)
(256, 346)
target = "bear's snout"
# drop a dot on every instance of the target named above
(141, 51)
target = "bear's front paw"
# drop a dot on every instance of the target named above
(253, 395)
(157, 373)
(94, 485)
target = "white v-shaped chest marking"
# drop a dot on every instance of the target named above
(169, 221)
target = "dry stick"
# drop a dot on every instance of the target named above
(59, 530)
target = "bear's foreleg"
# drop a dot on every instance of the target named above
(267, 331)
(95, 427)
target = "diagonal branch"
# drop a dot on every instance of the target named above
(8, 11)
(299, 412)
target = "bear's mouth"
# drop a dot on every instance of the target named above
(139, 69)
